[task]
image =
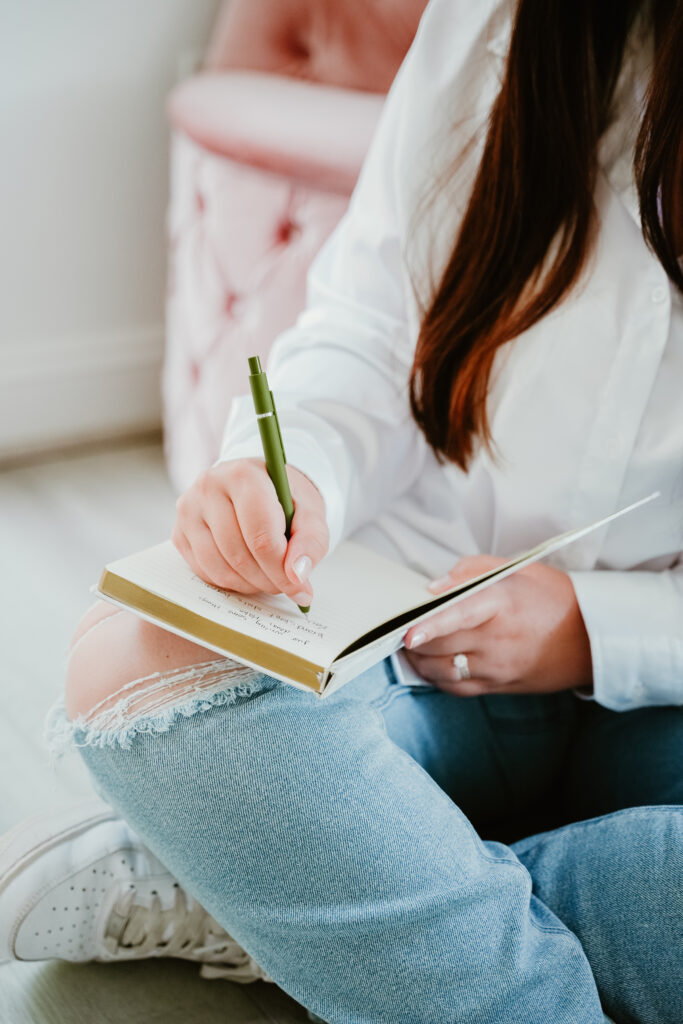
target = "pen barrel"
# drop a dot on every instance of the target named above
(271, 439)
(260, 392)
(275, 464)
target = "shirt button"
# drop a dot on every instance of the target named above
(659, 293)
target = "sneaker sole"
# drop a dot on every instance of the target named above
(34, 836)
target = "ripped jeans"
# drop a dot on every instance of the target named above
(367, 849)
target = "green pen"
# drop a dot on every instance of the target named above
(271, 439)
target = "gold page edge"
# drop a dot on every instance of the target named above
(168, 612)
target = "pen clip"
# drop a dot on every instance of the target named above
(277, 424)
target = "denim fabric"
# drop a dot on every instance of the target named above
(367, 849)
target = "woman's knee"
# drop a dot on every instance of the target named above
(112, 648)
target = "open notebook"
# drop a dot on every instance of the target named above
(363, 605)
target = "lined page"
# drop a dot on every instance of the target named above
(354, 589)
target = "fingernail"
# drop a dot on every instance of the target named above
(418, 638)
(443, 581)
(302, 567)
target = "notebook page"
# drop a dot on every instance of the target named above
(353, 588)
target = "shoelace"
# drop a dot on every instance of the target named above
(143, 928)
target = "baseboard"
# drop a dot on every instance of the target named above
(62, 391)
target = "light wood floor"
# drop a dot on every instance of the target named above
(60, 521)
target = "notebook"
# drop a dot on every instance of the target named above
(363, 605)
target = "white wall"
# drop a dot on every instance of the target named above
(83, 192)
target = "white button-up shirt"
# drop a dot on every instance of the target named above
(586, 407)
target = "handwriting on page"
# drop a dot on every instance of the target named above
(277, 622)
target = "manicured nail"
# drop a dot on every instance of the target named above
(418, 638)
(442, 582)
(302, 567)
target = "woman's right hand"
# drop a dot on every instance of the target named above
(230, 529)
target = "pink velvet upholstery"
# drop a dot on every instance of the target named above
(355, 44)
(262, 168)
(313, 134)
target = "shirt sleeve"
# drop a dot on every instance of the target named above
(634, 621)
(340, 374)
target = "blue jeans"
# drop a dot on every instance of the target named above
(368, 849)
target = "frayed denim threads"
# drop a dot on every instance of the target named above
(152, 704)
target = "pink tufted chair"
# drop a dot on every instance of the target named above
(267, 142)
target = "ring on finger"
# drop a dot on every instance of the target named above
(462, 667)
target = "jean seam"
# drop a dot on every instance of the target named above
(547, 837)
(388, 697)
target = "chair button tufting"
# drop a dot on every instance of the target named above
(285, 230)
(232, 304)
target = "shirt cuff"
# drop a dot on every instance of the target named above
(305, 455)
(633, 621)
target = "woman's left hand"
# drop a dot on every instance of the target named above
(523, 634)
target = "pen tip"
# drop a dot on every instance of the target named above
(305, 608)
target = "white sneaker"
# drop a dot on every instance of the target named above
(78, 884)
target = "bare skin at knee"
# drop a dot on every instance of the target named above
(112, 647)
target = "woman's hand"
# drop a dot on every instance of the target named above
(523, 634)
(230, 529)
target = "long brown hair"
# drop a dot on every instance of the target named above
(532, 201)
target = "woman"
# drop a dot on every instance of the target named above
(490, 353)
